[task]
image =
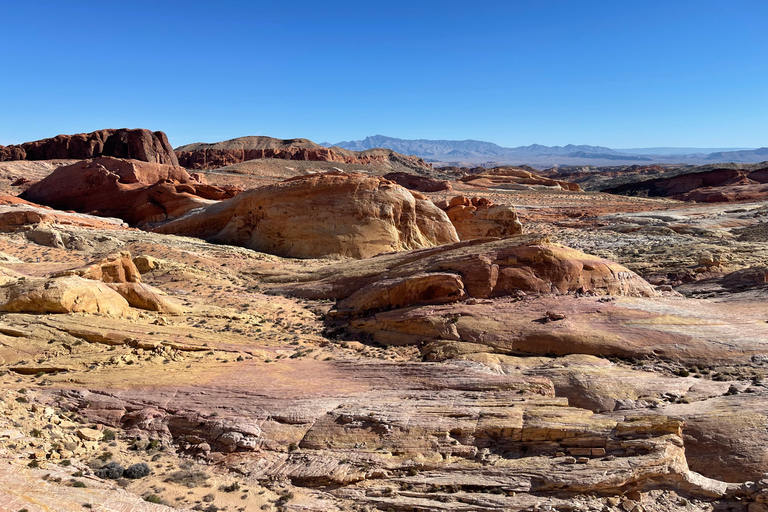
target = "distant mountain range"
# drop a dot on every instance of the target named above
(464, 152)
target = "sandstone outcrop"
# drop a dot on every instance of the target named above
(136, 144)
(113, 268)
(325, 214)
(210, 156)
(513, 178)
(70, 294)
(418, 183)
(135, 191)
(478, 217)
(487, 269)
(23, 215)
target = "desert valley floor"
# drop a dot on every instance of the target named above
(283, 333)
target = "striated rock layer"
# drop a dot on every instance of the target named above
(326, 214)
(137, 144)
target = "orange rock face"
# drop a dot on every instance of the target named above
(326, 214)
(136, 144)
(137, 192)
(479, 217)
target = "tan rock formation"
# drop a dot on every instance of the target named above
(479, 217)
(513, 178)
(142, 296)
(71, 294)
(326, 214)
(113, 268)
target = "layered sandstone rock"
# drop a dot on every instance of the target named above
(209, 156)
(137, 192)
(513, 178)
(487, 269)
(22, 215)
(478, 217)
(70, 294)
(113, 268)
(137, 144)
(326, 214)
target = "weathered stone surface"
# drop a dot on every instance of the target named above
(113, 268)
(15, 217)
(141, 296)
(327, 214)
(71, 294)
(488, 269)
(513, 178)
(478, 218)
(137, 192)
(137, 144)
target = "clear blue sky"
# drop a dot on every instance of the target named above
(618, 73)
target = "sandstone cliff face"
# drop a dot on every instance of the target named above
(137, 192)
(137, 144)
(209, 156)
(479, 217)
(327, 214)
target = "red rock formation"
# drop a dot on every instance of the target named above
(137, 144)
(715, 186)
(419, 183)
(137, 192)
(209, 156)
(321, 215)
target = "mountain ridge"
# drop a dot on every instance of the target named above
(477, 151)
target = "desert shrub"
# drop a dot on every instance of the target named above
(108, 435)
(78, 483)
(111, 471)
(65, 462)
(188, 478)
(153, 498)
(209, 498)
(135, 471)
(231, 488)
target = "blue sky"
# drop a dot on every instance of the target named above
(611, 73)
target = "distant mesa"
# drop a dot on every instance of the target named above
(230, 152)
(136, 144)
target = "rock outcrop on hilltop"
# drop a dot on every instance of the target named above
(135, 191)
(478, 217)
(513, 178)
(220, 154)
(318, 215)
(136, 144)
(710, 186)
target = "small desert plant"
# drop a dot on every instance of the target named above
(135, 471)
(78, 483)
(153, 498)
(108, 435)
(231, 487)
